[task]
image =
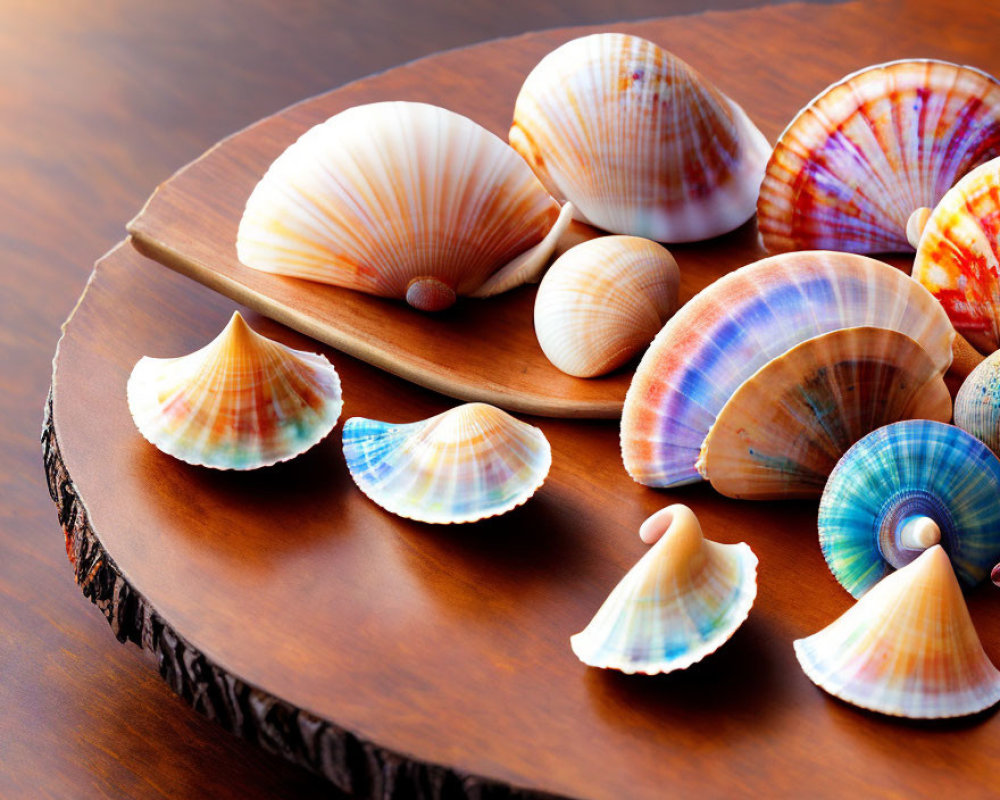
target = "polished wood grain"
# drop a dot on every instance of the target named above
(101, 101)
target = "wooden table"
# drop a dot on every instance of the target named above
(104, 103)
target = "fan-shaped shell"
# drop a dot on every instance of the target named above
(855, 163)
(241, 402)
(732, 328)
(907, 648)
(977, 404)
(783, 431)
(958, 257)
(471, 462)
(681, 602)
(602, 301)
(904, 472)
(401, 200)
(638, 141)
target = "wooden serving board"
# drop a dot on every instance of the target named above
(771, 61)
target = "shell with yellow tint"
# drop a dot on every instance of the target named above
(602, 301)
(638, 141)
(403, 200)
(471, 462)
(868, 151)
(783, 431)
(958, 256)
(682, 601)
(241, 402)
(907, 648)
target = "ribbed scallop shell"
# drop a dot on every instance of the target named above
(958, 257)
(638, 141)
(977, 405)
(907, 648)
(732, 328)
(916, 468)
(241, 402)
(871, 149)
(401, 200)
(681, 602)
(603, 301)
(470, 462)
(783, 431)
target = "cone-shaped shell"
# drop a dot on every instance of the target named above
(902, 472)
(241, 402)
(977, 405)
(402, 200)
(907, 648)
(471, 462)
(958, 257)
(638, 141)
(681, 602)
(603, 301)
(733, 327)
(855, 163)
(783, 431)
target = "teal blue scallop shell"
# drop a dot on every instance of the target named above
(908, 469)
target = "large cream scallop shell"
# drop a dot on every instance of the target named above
(907, 648)
(241, 402)
(958, 256)
(402, 200)
(871, 149)
(977, 404)
(784, 429)
(471, 462)
(681, 602)
(602, 301)
(638, 141)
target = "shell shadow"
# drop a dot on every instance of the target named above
(740, 678)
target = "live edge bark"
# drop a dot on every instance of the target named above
(360, 768)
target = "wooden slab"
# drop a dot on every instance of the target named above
(395, 657)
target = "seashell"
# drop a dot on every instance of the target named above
(854, 164)
(907, 648)
(638, 141)
(977, 404)
(903, 488)
(241, 402)
(603, 301)
(783, 431)
(682, 601)
(471, 462)
(401, 199)
(958, 257)
(732, 328)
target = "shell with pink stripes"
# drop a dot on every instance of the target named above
(402, 200)
(871, 149)
(738, 324)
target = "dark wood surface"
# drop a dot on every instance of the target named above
(100, 103)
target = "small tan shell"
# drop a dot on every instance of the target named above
(638, 141)
(603, 301)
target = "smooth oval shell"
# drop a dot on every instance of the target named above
(603, 301)
(241, 402)
(871, 149)
(638, 141)
(733, 327)
(681, 602)
(905, 470)
(388, 196)
(471, 462)
(977, 404)
(907, 648)
(784, 429)
(958, 258)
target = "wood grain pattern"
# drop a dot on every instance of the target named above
(449, 646)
